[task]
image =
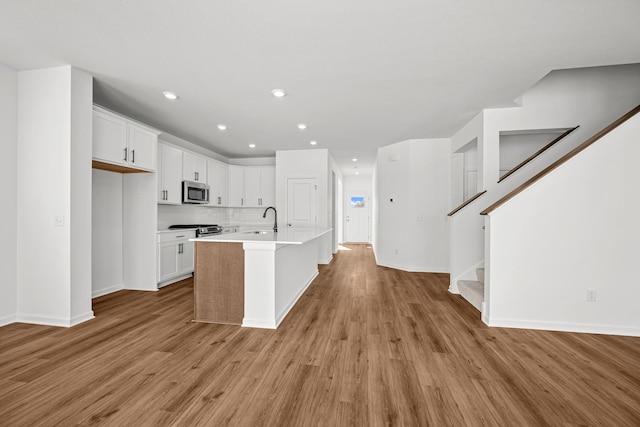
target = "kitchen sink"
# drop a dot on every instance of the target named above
(258, 232)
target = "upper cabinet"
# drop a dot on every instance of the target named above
(169, 175)
(218, 181)
(121, 142)
(236, 185)
(252, 186)
(259, 186)
(194, 167)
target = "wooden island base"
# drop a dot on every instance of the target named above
(219, 283)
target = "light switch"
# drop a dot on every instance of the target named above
(59, 221)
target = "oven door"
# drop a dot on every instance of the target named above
(195, 192)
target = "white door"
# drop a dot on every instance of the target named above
(301, 202)
(357, 217)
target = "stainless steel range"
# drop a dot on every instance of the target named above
(202, 230)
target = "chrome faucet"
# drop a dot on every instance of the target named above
(275, 220)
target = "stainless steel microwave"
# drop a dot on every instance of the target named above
(195, 192)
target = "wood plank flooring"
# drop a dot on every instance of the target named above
(364, 346)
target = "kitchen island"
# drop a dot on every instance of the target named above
(253, 278)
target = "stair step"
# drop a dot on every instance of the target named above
(472, 291)
(480, 275)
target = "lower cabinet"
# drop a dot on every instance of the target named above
(175, 256)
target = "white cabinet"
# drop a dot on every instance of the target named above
(169, 175)
(252, 186)
(194, 167)
(268, 186)
(122, 142)
(175, 256)
(259, 186)
(236, 185)
(218, 181)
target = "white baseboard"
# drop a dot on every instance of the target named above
(105, 291)
(258, 323)
(76, 320)
(7, 320)
(326, 261)
(564, 327)
(54, 321)
(411, 269)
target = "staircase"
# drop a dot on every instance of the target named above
(473, 290)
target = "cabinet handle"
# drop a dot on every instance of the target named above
(195, 176)
(125, 154)
(219, 200)
(178, 237)
(166, 194)
(242, 201)
(133, 156)
(180, 248)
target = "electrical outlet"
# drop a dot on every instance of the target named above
(58, 221)
(591, 295)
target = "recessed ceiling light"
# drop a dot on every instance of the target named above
(302, 126)
(222, 127)
(279, 93)
(313, 142)
(354, 160)
(252, 145)
(172, 96)
(357, 173)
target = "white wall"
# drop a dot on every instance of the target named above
(591, 98)
(572, 231)
(54, 181)
(514, 149)
(335, 202)
(106, 234)
(306, 164)
(81, 138)
(8, 195)
(412, 186)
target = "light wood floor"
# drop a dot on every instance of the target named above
(364, 346)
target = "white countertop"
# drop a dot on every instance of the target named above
(284, 236)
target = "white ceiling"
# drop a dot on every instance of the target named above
(360, 73)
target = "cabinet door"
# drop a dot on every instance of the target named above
(109, 138)
(168, 266)
(142, 148)
(194, 167)
(169, 175)
(252, 186)
(236, 185)
(218, 180)
(268, 186)
(186, 263)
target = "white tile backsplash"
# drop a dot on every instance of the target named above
(193, 214)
